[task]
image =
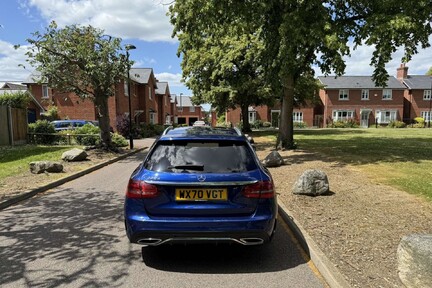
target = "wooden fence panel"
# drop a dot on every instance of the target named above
(4, 126)
(13, 126)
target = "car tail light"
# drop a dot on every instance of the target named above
(262, 189)
(141, 189)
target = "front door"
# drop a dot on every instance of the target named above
(364, 122)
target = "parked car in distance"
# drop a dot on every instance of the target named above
(60, 125)
(199, 123)
(200, 184)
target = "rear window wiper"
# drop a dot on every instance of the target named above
(188, 167)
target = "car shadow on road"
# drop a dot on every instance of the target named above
(280, 254)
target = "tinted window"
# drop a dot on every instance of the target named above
(201, 157)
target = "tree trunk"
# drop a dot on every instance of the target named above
(101, 103)
(245, 118)
(286, 131)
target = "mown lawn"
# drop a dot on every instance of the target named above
(398, 157)
(14, 160)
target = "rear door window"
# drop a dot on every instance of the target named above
(201, 157)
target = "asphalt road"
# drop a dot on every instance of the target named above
(73, 236)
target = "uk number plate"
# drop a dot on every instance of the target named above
(201, 194)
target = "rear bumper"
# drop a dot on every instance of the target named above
(248, 231)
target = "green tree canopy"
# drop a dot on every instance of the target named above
(298, 35)
(82, 60)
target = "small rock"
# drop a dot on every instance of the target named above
(414, 256)
(274, 159)
(39, 167)
(312, 182)
(74, 155)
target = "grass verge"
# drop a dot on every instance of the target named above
(398, 157)
(13, 160)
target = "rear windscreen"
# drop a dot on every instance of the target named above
(201, 157)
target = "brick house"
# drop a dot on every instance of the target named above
(149, 102)
(304, 114)
(187, 113)
(357, 98)
(163, 97)
(417, 96)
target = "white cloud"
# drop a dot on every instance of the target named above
(139, 19)
(9, 61)
(174, 80)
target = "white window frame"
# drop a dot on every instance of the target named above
(192, 109)
(298, 117)
(365, 94)
(45, 92)
(426, 116)
(387, 94)
(252, 116)
(338, 115)
(427, 95)
(168, 119)
(343, 94)
(126, 88)
(152, 117)
(180, 109)
(386, 116)
(150, 93)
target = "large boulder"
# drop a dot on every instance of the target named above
(74, 155)
(38, 167)
(414, 256)
(274, 159)
(312, 182)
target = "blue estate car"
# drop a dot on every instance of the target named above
(200, 184)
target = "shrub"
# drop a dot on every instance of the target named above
(419, 122)
(350, 123)
(300, 125)
(257, 124)
(15, 100)
(118, 140)
(397, 124)
(91, 139)
(43, 127)
(52, 113)
(266, 124)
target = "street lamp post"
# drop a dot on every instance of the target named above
(430, 102)
(129, 47)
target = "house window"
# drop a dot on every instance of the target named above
(297, 116)
(192, 109)
(387, 94)
(386, 116)
(126, 88)
(150, 92)
(426, 116)
(168, 119)
(343, 115)
(365, 94)
(45, 91)
(427, 95)
(252, 116)
(343, 94)
(165, 99)
(153, 118)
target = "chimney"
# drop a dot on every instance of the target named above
(402, 72)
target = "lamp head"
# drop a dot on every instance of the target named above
(129, 47)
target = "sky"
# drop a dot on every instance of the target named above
(142, 23)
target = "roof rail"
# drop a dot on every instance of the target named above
(167, 130)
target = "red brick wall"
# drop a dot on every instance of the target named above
(330, 99)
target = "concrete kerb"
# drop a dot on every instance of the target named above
(31, 193)
(330, 273)
(327, 269)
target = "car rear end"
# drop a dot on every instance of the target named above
(195, 187)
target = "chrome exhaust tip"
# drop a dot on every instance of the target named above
(251, 241)
(150, 241)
